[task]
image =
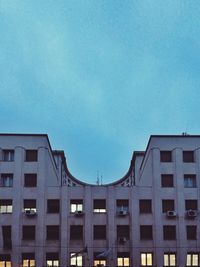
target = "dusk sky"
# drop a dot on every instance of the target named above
(99, 77)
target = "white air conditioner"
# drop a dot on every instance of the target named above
(191, 213)
(171, 213)
(122, 240)
(30, 212)
(122, 213)
(78, 212)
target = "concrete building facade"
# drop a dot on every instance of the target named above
(150, 217)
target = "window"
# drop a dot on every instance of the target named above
(5, 260)
(146, 259)
(123, 233)
(6, 233)
(30, 204)
(6, 180)
(99, 205)
(169, 259)
(30, 180)
(191, 204)
(189, 180)
(52, 232)
(76, 232)
(28, 259)
(53, 205)
(188, 156)
(123, 259)
(165, 156)
(76, 205)
(169, 232)
(99, 231)
(31, 155)
(122, 205)
(99, 260)
(192, 259)
(52, 259)
(8, 155)
(191, 232)
(76, 259)
(146, 232)
(167, 205)
(167, 180)
(28, 232)
(6, 206)
(145, 206)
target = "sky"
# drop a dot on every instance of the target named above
(99, 77)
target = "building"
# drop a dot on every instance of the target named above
(149, 217)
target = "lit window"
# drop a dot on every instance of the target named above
(30, 204)
(5, 260)
(76, 260)
(189, 180)
(6, 180)
(99, 206)
(8, 155)
(169, 259)
(28, 260)
(123, 259)
(146, 259)
(99, 260)
(76, 205)
(192, 259)
(52, 259)
(6, 206)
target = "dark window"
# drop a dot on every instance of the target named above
(188, 156)
(8, 155)
(191, 232)
(145, 206)
(31, 155)
(123, 232)
(167, 205)
(167, 180)
(189, 180)
(99, 205)
(52, 232)
(191, 204)
(28, 259)
(6, 206)
(6, 234)
(76, 232)
(30, 204)
(122, 205)
(76, 205)
(30, 180)
(146, 232)
(169, 232)
(99, 231)
(53, 205)
(52, 259)
(28, 232)
(165, 156)
(6, 180)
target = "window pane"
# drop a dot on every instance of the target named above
(149, 259)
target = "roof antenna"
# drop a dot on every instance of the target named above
(101, 179)
(97, 182)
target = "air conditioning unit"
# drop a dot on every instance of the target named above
(191, 213)
(79, 213)
(171, 213)
(122, 213)
(122, 240)
(30, 213)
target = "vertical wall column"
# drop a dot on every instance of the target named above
(88, 209)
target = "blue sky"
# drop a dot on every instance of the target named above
(99, 76)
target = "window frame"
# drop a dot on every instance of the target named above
(143, 232)
(76, 232)
(99, 232)
(6, 180)
(8, 155)
(99, 205)
(169, 232)
(28, 232)
(190, 181)
(7, 206)
(52, 232)
(165, 156)
(168, 259)
(31, 155)
(143, 208)
(145, 257)
(76, 205)
(190, 262)
(168, 205)
(165, 183)
(191, 232)
(30, 179)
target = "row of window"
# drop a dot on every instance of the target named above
(99, 205)
(30, 180)
(9, 155)
(99, 232)
(187, 156)
(123, 259)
